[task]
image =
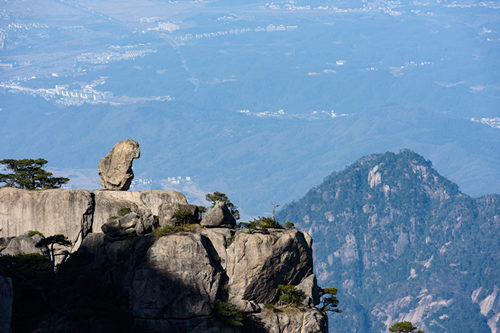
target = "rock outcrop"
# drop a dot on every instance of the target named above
(115, 168)
(67, 212)
(125, 266)
(23, 244)
(219, 215)
(293, 322)
(258, 261)
(75, 213)
(178, 278)
(172, 282)
(6, 303)
(167, 211)
(129, 225)
(308, 287)
(109, 203)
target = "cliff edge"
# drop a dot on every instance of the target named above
(133, 278)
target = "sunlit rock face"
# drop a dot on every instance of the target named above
(57, 211)
(115, 169)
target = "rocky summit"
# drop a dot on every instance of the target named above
(402, 242)
(115, 169)
(137, 265)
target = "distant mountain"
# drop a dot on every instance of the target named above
(401, 242)
(251, 97)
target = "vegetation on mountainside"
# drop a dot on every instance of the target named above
(228, 313)
(124, 211)
(389, 226)
(329, 301)
(50, 242)
(404, 327)
(289, 296)
(184, 221)
(289, 299)
(32, 233)
(261, 222)
(29, 174)
(184, 216)
(219, 196)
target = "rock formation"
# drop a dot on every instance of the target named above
(128, 225)
(293, 321)
(115, 168)
(109, 203)
(22, 244)
(167, 211)
(218, 216)
(172, 282)
(75, 213)
(138, 257)
(257, 262)
(67, 212)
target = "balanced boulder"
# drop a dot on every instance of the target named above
(115, 169)
(218, 216)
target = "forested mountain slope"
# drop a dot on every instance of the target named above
(402, 242)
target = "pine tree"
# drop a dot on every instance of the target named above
(29, 174)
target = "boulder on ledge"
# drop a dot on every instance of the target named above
(218, 216)
(115, 169)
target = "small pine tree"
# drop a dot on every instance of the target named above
(330, 301)
(50, 241)
(289, 295)
(263, 222)
(404, 327)
(228, 313)
(184, 216)
(219, 196)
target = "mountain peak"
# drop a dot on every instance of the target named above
(395, 237)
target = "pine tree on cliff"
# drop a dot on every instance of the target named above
(219, 196)
(29, 174)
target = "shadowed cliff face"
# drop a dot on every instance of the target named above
(403, 243)
(172, 282)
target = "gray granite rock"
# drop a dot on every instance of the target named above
(23, 245)
(179, 278)
(167, 210)
(309, 288)
(257, 262)
(115, 169)
(109, 203)
(56, 211)
(293, 321)
(218, 216)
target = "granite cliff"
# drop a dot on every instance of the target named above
(146, 262)
(151, 281)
